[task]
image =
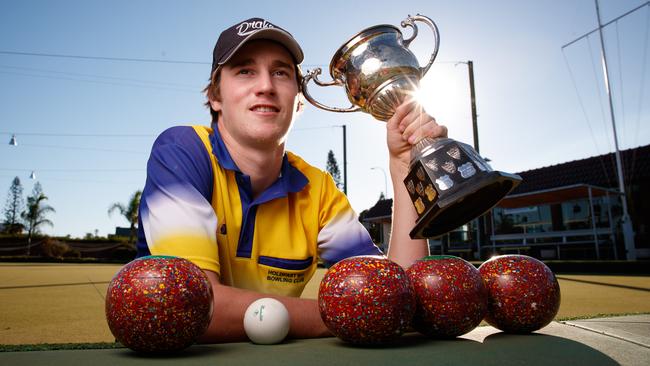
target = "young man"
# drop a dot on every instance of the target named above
(253, 216)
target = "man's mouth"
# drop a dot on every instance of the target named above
(264, 108)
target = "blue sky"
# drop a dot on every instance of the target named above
(85, 126)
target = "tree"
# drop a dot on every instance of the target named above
(14, 207)
(35, 212)
(129, 211)
(332, 167)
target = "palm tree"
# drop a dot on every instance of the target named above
(129, 211)
(35, 213)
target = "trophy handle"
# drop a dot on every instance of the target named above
(410, 22)
(313, 74)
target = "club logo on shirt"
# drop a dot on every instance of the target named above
(247, 28)
(285, 277)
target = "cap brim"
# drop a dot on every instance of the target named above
(272, 34)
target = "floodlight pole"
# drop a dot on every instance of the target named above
(470, 68)
(480, 221)
(626, 221)
(628, 231)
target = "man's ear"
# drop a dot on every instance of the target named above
(216, 105)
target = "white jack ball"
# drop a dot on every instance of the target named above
(266, 321)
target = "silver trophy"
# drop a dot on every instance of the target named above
(448, 182)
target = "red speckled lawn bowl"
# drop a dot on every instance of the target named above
(523, 293)
(158, 304)
(451, 297)
(366, 300)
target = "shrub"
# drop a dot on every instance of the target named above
(53, 248)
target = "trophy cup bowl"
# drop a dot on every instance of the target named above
(448, 182)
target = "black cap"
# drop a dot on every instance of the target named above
(236, 36)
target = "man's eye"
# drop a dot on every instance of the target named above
(244, 72)
(281, 73)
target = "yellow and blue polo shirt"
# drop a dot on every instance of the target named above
(198, 205)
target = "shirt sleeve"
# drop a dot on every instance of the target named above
(176, 213)
(341, 234)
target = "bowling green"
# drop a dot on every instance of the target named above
(64, 303)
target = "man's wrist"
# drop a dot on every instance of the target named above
(398, 170)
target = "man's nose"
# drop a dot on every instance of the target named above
(265, 83)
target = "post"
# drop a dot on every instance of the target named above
(470, 67)
(628, 232)
(480, 221)
(593, 222)
(611, 227)
(494, 248)
(345, 163)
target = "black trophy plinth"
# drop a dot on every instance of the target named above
(450, 185)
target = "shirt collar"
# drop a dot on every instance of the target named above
(291, 179)
(220, 151)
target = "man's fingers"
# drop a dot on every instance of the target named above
(438, 131)
(422, 126)
(413, 115)
(401, 112)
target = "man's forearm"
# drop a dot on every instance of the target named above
(402, 249)
(230, 304)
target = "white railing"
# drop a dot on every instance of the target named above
(565, 237)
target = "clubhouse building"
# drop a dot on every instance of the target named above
(565, 211)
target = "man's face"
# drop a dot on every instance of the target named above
(258, 95)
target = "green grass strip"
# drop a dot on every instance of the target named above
(57, 346)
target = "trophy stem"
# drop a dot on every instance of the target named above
(390, 94)
(423, 147)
